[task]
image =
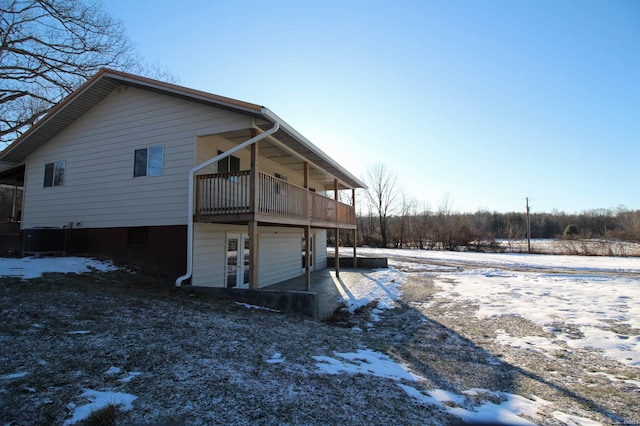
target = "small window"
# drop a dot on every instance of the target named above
(54, 173)
(228, 164)
(148, 161)
(280, 188)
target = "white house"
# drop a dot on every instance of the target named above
(221, 192)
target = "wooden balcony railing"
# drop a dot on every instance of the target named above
(229, 194)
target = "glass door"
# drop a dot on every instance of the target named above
(238, 260)
(304, 257)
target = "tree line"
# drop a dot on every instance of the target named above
(450, 230)
(388, 218)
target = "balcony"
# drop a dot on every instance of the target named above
(227, 198)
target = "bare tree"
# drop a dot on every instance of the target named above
(48, 48)
(383, 194)
(404, 231)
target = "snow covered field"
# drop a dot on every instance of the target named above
(600, 296)
(501, 338)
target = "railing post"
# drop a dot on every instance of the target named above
(307, 257)
(306, 187)
(337, 243)
(253, 180)
(253, 224)
(198, 201)
(355, 231)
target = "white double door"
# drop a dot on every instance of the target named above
(238, 260)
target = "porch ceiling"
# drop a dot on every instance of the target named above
(284, 150)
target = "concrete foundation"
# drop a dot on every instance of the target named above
(327, 292)
(302, 302)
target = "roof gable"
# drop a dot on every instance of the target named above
(105, 81)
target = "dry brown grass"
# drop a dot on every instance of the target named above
(204, 361)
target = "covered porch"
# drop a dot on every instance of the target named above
(229, 198)
(287, 183)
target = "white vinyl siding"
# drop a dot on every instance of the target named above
(209, 252)
(99, 190)
(279, 255)
(320, 252)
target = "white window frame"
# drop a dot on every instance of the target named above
(151, 167)
(58, 170)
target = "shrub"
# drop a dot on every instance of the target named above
(571, 230)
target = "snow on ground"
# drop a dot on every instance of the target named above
(381, 285)
(465, 405)
(31, 267)
(99, 400)
(600, 296)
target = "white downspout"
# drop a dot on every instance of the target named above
(192, 174)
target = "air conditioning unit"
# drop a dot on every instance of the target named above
(44, 241)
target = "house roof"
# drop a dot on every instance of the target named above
(106, 80)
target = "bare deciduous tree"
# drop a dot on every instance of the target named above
(48, 48)
(382, 195)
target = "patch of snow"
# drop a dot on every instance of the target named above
(99, 400)
(532, 343)
(14, 376)
(442, 395)
(381, 285)
(113, 371)
(571, 420)
(31, 267)
(507, 412)
(613, 378)
(365, 361)
(248, 306)
(276, 358)
(132, 375)
(418, 396)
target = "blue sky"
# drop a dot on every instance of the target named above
(476, 103)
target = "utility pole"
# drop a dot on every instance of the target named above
(528, 228)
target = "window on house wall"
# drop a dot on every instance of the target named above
(148, 161)
(228, 164)
(54, 173)
(279, 187)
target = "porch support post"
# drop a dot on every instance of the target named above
(253, 223)
(15, 199)
(355, 231)
(337, 229)
(307, 233)
(307, 257)
(307, 200)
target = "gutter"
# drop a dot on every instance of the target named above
(192, 174)
(269, 115)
